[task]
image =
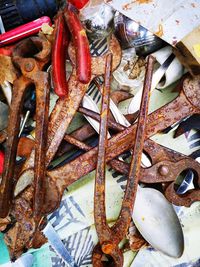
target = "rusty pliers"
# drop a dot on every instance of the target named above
(110, 237)
(29, 56)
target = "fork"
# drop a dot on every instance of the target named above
(95, 92)
(89, 103)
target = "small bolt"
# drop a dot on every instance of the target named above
(163, 170)
(29, 66)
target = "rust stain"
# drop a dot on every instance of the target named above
(40, 79)
(128, 6)
(160, 32)
(143, 1)
(160, 115)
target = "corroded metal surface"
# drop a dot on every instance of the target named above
(123, 141)
(103, 230)
(166, 164)
(109, 238)
(31, 69)
(66, 108)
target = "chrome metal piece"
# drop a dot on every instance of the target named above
(131, 34)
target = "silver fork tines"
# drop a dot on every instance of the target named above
(95, 93)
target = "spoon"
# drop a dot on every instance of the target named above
(157, 221)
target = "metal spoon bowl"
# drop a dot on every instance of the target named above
(156, 220)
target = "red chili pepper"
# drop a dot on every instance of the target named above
(59, 53)
(2, 156)
(78, 3)
(79, 37)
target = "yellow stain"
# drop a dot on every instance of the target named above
(196, 48)
(103, 114)
(33, 133)
(160, 116)
(82, 32)
(159, 33)
(143, 1)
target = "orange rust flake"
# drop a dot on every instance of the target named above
(160, 115)
(143, 1)
(159, 33)
(128, 5)
(107, 248)
(103, 114)
(100, 188)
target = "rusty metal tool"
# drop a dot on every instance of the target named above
(86, 131)
(109, 238)
(30, 56)
(188, 102)
(60, 178)
(166, 165)
(99, 194)
(66, 107)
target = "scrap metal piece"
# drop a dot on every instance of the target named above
(32, 74)
(110, 238)
(66, 107)
(7, 71)
(160, 119)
